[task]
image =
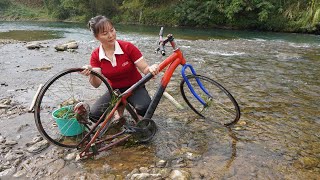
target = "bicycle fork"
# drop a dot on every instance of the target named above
(198, 82)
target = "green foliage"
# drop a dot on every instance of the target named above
(275, 15)
(159, 17)
(4, 4)
(20, 11)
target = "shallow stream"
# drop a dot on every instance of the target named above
(273, 76)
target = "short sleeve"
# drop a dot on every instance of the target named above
(134, 53)
(94, 60)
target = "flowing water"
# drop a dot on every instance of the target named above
(273, 76)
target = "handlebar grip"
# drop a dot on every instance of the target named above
(161, 31)
(162, 51)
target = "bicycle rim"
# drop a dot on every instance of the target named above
(220, 105)
(66, 89)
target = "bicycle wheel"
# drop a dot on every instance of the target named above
(220, 104)
(64, 91)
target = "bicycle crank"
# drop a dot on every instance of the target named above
(144, 130)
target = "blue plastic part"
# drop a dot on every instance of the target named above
(190, 86)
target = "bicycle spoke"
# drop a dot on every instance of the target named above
(65, 90)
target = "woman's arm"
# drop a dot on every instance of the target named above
(94, 80)
(143, 66)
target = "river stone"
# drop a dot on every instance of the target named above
(2, 139)
(179, 175)
(38, 146)
(161, 163)
(55, 166)
(309, 162)
(10, 143)
(72, 45)
(34, 140)
(20, 173)
(8, 172)
(107, 168)
(61, 47)
(13, 155)
(144, 170)
(145, 176)
(192, 156)
(70, 156)
(34, 45)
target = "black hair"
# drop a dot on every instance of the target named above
(97, 24)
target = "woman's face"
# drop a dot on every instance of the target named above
(107, 35)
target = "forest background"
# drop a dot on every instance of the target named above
(268, 15)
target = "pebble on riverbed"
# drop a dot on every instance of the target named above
(36, 148)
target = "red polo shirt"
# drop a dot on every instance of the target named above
(122, 72)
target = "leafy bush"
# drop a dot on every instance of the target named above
(4, 4)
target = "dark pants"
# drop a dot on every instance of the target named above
(140, 100)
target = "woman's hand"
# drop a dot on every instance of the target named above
(153, 69)
(87, 70)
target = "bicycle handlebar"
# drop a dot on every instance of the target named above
(161, 43)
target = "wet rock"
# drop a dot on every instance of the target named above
(144, 170)
(179, 163)
(22, 127)
(55, 166)
(34, 45)
(8, 172)
(10, 143)
(309, 162)
(111, 177)
(36, 148)
(34, 141)
(141, 176)
(134, 171)
(13, 155)
(179, 175)
(161, 163)
(192, 156)
(17, 162)
(20, 173)
(70, 156)
(61, 47)
(107, 168)
(66, 46)
(72, 45)
(5, 101)
(2, 139)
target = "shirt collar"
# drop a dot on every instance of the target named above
(117, 50)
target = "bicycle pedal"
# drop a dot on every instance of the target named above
(129, 129)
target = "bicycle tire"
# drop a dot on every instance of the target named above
(221, 106)
(66, 89)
